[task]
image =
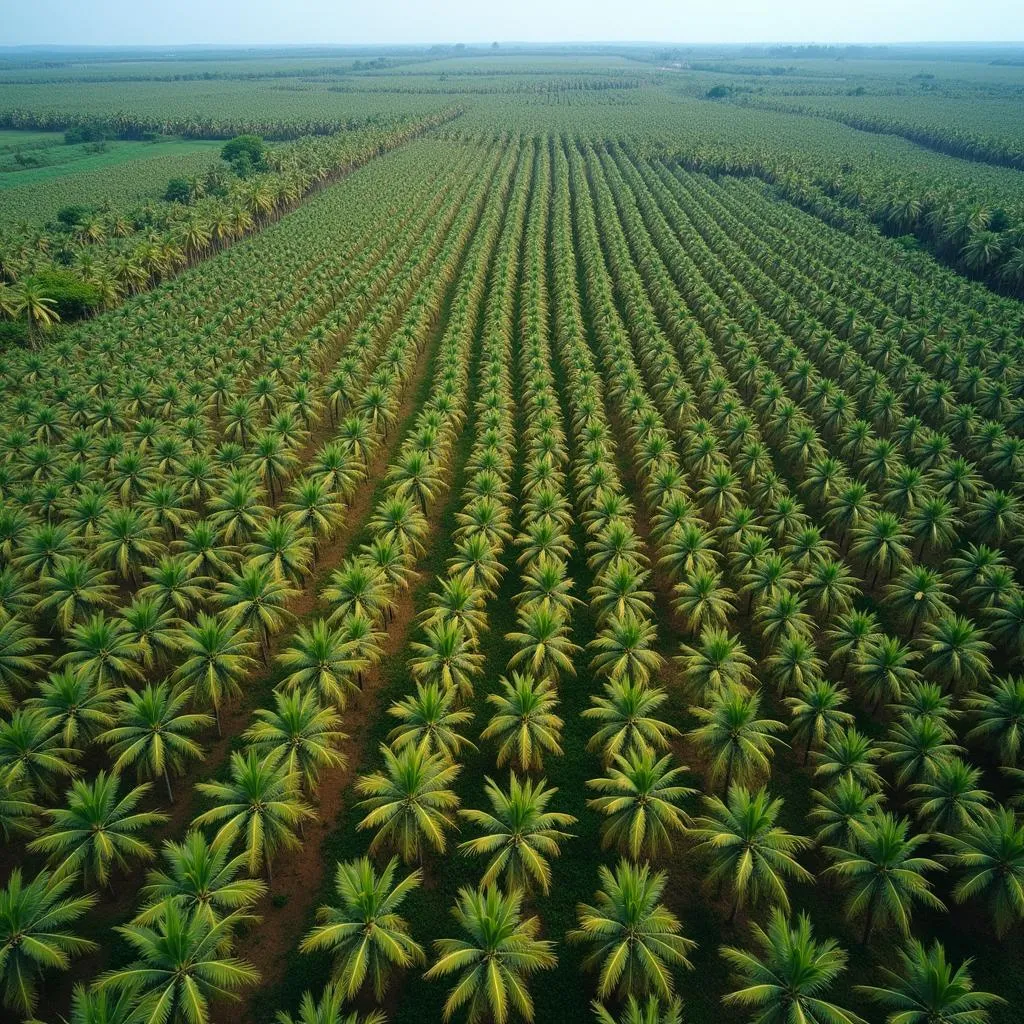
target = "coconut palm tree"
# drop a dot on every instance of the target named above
(104, 651)
(35, 920)
(718, 661)
(216, 657)
(520, 835)
(447, 655)
(627, 717)
(991, 852)
(75, 590)
(254, 600)
(542, 643)
(788, 974)
(844, 812)
(97, 829)
(408, 801)
(430, 720)
(739, 744)
(818, 713)
(152, 732)
(636, 939)
(327, 1010)
(524, 721)
(200, 877)
(300, 733)
(641, 794)
(367, 935)
(500, 951)
(884, 873)
(30, 747)
(956, 653)
(260, 805)
(748, 851)
(81, 711)
(885, 669)
(915, 748)
(19, 814)
(89, 1006)
(183, 963)
(322, 660)
(951, 800)
(848, 755)
(19, 659)
(649, 1011)
(928, 990)
(999, 717)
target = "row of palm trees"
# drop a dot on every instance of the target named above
(297, 738)
(123, 254)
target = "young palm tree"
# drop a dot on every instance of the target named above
(35, 920)
(216, 657)
(542, 643)
(627, 717)
(254, 600)
(625, 649)
(951, 800)
(648, 1012)
(818, 713)
(301, 734)
(718, 662)
(520, 836)
(500, 951)
(321, 659)
(636, 939)
(97, 829)
(447, 655)
(999, 717)
(367, 935)
(81, 711)
(885, 875)
(786, 978)
(747, 849)
(928, 990)
(640, 803)
(524, 721)
(200, 877)
(991, 853)
(739, 744)
(183, 963)
(844, 812)
(411, 799)
(430, 720)
(152, 732)
(329, 1009)
(260, 805)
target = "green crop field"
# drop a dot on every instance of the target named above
(509, 533)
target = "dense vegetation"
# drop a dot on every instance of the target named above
(541, 553)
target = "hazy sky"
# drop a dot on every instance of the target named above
(166, 22)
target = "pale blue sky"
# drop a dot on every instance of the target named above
(166, 22)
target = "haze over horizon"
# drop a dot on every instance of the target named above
(399, 22)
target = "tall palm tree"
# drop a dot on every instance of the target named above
(429, 719)
(30, 300)
(844, 812)
(322, 659)
(524, 721)
(89, 1006)
(640, 802)
(817, 712)
(35, 920)
(928, 990)
(991, 852)
(254, 599)
(367, 935)
(999, 717)
(625, 649)
(636, 938)
(97, 829)
(626, 714)
(30, 745)
(719, 661)
(747, 849)
(19, 814)
(448, 656)
(200, 877)
(183, 963)
(788, 974)
(739, 744)
(153, 732)
(302, 735)
(885, 875)
(520, 835)
(216, 657)
(409, 800)
(952, 800)
(542, 643)
(260, 804)
(493, 962)
(649, 1011)
(80, 710)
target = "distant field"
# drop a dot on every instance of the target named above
(127, 173)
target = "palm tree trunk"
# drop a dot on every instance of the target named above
(216, 716)
(167, 779)
(270, 869)
(870, 920)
